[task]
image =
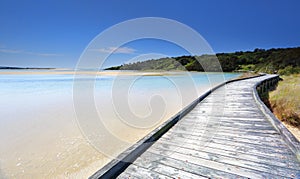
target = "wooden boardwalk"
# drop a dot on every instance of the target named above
(224, 136)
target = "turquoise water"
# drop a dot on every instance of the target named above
(42, 135)
(21, 84)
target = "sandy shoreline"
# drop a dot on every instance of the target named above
(102, 73)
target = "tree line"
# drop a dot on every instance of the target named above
(275, 60)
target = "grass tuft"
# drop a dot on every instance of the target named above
(285, 100)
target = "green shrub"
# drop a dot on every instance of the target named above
(289, 70)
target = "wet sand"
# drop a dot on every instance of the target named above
(57, 149)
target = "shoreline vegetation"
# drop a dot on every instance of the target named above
(283, 61)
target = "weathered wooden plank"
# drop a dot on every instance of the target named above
(211, 135)
(238, 146)
(227, 111)
(207, 104)
(226, 108)
(186, 166)
(236, 114)
(273, 161)
(138, 172)
(176, 172)
(233, 169)
(202, 126)
(229, 100)
(201, 117)
(209, 155)
(225, 122)
(221, 134)
(237, 126)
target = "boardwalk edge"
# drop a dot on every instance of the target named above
(288, 137)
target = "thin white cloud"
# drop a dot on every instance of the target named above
(10, 51)
(14, 51)
(43, 54)
(120, 50)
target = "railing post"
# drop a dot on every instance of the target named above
(266, 86)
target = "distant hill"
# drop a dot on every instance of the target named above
(281, 60)
(22, 68)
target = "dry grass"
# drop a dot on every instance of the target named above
(285, 100)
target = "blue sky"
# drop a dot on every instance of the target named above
(54, 33)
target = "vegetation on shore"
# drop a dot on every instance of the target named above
(285, 100)
(284, 61)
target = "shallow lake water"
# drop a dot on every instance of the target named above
(49, 125)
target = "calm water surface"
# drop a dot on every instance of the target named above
(39, 132)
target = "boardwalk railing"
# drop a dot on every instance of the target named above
(262, 90)
(267, 85)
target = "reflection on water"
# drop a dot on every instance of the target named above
(39, 133)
